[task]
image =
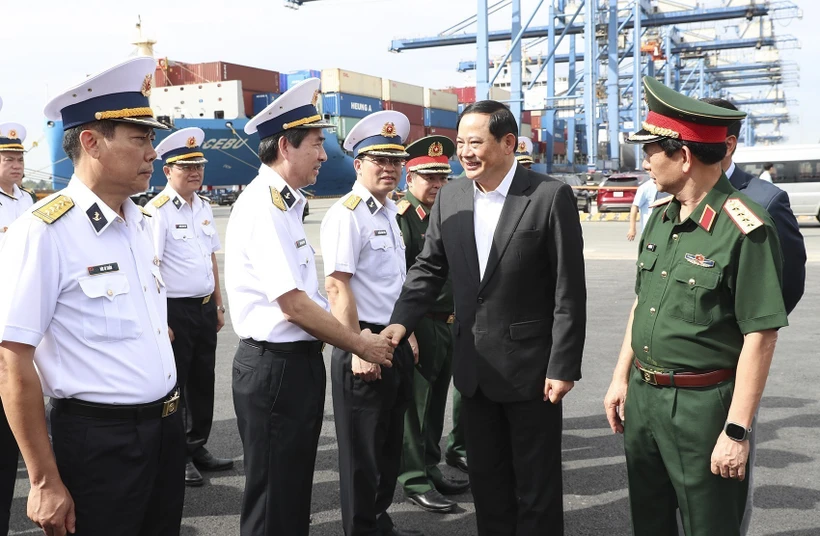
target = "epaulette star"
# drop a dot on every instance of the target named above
(742, 216)
(55, 209)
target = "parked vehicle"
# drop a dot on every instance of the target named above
(224, 197)
(617, 192)
(143, 198)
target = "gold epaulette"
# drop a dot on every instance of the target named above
(660, 202)
(161, 200)
(208, 201)
(28, 190)
(145, 212)
(744, 218)
(402, 206)
(352, 202)
(55, 209)
(278, 202)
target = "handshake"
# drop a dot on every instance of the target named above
(378, 349)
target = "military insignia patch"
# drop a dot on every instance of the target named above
(12, 134)
(402, 206)
(707, 218)
(190, 142)
(698, 259)
(315, 100)
(288, 197)
(522, 147)
(54, 209)
(389, 130)
(97, 219)
(277, 200)
(177, 203)
(740, 214)
(421, 213)
(436, 149)
(371, 204)
(161, 200)
(146, 86)
(352, 202)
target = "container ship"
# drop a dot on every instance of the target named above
(220, 97)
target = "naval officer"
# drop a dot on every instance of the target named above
(364, 269)
(281, 319)
(185, 242)
(702, 331)
(424, 484)
(523, 152)
(89, 310)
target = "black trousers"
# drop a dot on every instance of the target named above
(279, 399)
(514, 450)
(127, 477)
(194, 326)
(369, 419)
(8, 470)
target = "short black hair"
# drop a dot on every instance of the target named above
(707, 153)
(269, 147)
(502, 121)
(767, 166)
(71, 137)
(734, 128)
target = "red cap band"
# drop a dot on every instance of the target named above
(686, 130)
(427, 160)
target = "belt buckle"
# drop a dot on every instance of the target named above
(649, 377)
(206, 299)
(170, 406)
(451, 319)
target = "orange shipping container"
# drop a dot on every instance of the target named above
(252, 78)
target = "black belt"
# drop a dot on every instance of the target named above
(164, 407)
(297, 347)
(193, 301)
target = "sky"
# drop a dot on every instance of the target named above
(56, 43)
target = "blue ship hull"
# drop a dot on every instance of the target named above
(230, 161)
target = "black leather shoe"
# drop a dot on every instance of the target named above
(432, 501)
(404, 532)
(192, 477)
(459, 462)
(207, 462)
(450, 486)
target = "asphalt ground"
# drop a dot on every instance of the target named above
(787, 481)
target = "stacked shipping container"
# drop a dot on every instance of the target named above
(440, 112)
(407, 99)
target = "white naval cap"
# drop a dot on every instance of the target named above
(295, 108)
(182, 147)
(118, 94)
(12, 136)
(523, 152)
(380, 134)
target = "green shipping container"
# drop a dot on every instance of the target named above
(344, 125)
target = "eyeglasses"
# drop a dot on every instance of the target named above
(384, 162)
(191, 167)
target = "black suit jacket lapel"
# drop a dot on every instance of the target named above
(514, 206)
(466, 213)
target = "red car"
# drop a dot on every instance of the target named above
(616, 192)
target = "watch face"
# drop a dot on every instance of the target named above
(735, 431)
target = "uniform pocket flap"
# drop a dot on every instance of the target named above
(379, 243)
(697, 277)
(528, 330)
(108, 285)
(646, 260)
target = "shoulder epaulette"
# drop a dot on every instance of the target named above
(660, 202)
(145, 212)
(161, 200)
(53, 210)
(402, 206)
(28, 190)
(278, 202)
(742, 216)
(352, 202)
(204, 198)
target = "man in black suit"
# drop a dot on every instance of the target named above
(511, 240)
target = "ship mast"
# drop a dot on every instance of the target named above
(145, 45)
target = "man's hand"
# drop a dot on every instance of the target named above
(630, 235)
(555, 390)
(170, 334)
(364, 370)
(220, 320)
(414, 345)
(377, 348)
(394, 332)
(614, 402)
(51, 507)
(729, 457)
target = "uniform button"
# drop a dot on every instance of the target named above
(664, 274)
(692, 282)
(646, 349)
(158, 331)
(110, 292)
(481, 300)
(641, 265)
(652, 310)
(169, 376)
(674, 236)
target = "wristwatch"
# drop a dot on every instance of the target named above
(220, 308)
(736, 432)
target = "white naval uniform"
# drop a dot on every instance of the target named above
(90, 298)
(184, 239)
(267, 254)
(367, 243)
(12, 207)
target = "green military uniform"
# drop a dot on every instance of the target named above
(424, 421)
(703, 283)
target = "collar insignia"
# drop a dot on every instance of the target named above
(371, 204)
(421, 213)
(288, 197)
(97, 219)
(707, 218)
(177, 203)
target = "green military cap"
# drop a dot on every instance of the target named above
(430, 155)
(674, 115)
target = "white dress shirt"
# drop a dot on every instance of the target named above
(731, 170)
(88, 295)
(12, 207)
(487, 209)
(367, 243)
(267, 254)
(184, 239)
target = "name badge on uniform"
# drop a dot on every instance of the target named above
(181, 226)
(381, 232)
(103, 268)
(301, 243)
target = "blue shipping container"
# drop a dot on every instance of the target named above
(299, 76)
(346, 105)
(283, 82)
(433, 117)
(261, 100)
